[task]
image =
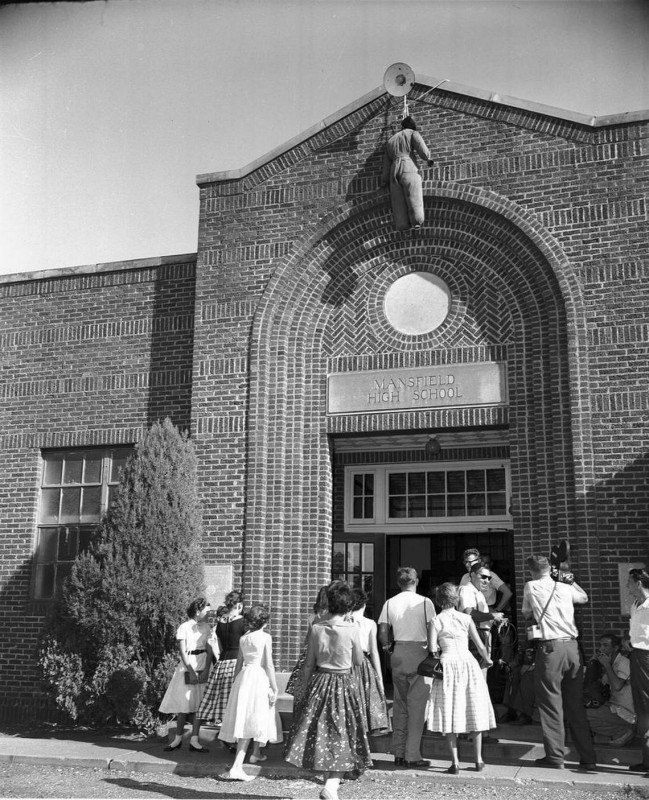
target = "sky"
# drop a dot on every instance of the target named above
(109, 109)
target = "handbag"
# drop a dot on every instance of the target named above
(431, 667)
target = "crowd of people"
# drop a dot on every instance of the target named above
(227, 676)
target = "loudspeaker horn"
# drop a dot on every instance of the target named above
(398, 79)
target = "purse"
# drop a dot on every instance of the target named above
(431, 667)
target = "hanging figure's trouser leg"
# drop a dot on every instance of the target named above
(411, 184)
(406, 195)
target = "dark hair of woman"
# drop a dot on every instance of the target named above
(195, 606)
(408, 122)
(256, 617)
(360, 598)
(321, 604)
(339, 597)
(640, 576)
(232, 599)
(447, 595)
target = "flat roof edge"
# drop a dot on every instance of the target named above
(94, 269)
(443, 84)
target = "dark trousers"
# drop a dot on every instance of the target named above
(640, 691)
(559, 684)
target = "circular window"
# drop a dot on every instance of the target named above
(417, 303)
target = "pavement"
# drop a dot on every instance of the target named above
(508, 761)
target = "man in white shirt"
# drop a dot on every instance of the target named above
(615, 719)
(638, 586)
(558, 674)
(410, 616)
(497, 593)
(472, 601)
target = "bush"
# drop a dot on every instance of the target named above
(112, 634)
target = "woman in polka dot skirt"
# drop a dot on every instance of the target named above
(329, 731)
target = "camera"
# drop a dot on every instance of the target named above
(560, 563)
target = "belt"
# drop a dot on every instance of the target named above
(558, 639)
(410, 641)
(194, 652)
(329, 671)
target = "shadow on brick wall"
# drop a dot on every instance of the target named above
(172, 346)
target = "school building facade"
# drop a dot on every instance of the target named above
(359, 397)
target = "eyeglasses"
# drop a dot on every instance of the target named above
(484, 577)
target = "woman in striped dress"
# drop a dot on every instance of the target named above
(459, 703)
(228, 633)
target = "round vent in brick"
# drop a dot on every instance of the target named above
(417, 303)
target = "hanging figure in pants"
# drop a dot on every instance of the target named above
(401, 172)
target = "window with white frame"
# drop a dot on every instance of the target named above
(77, 486)
(404, 497)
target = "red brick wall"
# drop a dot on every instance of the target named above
(524, 212)
(88, 359)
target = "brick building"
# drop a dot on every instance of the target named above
(359, 397)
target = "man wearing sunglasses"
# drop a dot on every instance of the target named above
(472, 601)
(496, 591)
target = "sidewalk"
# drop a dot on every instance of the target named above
(509, 761)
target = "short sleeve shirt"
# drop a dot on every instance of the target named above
(408, 614)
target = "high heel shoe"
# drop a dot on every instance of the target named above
(195, 749)
(479, 766)
(453, 769)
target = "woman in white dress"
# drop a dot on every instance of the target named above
(459, 703)
(185, 690)
(251, 712)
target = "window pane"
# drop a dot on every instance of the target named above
(353, 557)
(368, 585)
(456, 505)
(73, 469)
(455, 481)
(397, 507)
(369, 483)
(112, 492)
(120, 457)
(53, 470)
(417, 483)
(437, 505)
(417, 506)
(62, 572)
(436, 482)
(68, 544)
(355, 581)
(495, 480)
(70, 505)
(358, 508)
(358, 485)
(368, 557)
(47, 544)
(85, 537)
(475, 505)
(90, 504)
(496, 503)
(92, 469)
(44, 587)
(369, 507)
(50, 505)
(475, 480)
(397, 483)
(338, 561)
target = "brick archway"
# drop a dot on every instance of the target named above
(515, 292)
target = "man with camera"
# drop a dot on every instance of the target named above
(558, 675)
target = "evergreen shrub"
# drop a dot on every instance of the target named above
(109, 649)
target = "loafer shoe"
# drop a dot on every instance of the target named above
(399, 761)
(547, 763)
(421, 764)
(453, 769)
(587, 766)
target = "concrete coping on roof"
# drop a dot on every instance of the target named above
(445, 85)
(96, 269)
